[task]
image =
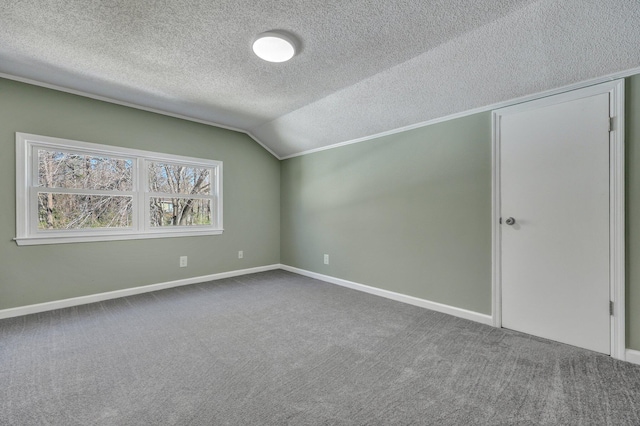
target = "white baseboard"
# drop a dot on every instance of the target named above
(632, 356)
(92, 298)
(434, 306)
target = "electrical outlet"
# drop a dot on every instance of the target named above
(183, 261)
(240, 254)
(326, 259)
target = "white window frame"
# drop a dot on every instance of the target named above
(27, 232)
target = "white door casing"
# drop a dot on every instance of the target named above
(559, 172)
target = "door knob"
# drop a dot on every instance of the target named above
(510, 221)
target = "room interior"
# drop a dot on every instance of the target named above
(372, 146)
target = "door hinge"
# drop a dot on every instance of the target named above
(612, 123)
(610, 307)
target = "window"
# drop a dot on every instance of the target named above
(70, 191)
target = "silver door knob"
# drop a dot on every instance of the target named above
(510, 221)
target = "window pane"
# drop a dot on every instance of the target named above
(179, 212)
(80, 211)
(58, 169)
(175, 179)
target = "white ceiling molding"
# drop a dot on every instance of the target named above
(511, 102)
(371, 69)
(131, 105)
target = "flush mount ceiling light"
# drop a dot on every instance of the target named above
(275, 46)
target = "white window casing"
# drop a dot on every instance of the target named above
(28, 187)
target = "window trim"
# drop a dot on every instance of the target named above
(27, 232)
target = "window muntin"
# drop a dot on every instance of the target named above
(70, 191)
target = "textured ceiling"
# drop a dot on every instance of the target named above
(366, 66)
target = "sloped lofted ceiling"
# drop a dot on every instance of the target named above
(366, 66)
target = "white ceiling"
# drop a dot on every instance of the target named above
(366, 66)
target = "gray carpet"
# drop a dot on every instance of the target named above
(276, 348)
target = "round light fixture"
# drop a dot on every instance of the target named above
(275, 46)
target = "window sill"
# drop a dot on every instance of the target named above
(64, 239)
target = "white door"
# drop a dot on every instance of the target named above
(554, 182)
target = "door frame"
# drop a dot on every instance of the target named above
(616, 202)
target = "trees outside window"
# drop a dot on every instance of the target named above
(98, 185)
(174, 187)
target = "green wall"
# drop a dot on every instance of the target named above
(410, 212)
(632, 153)
(34, 274)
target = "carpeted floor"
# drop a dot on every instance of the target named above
(276, 348)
